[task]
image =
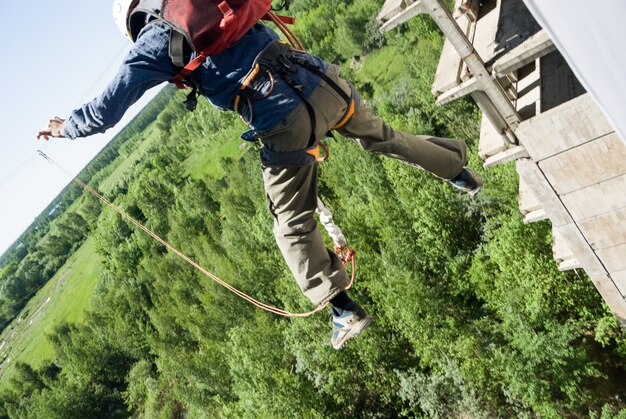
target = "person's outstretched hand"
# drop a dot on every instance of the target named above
(54, 129)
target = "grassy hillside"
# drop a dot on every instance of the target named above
(64, 299)
(63, 226)
(67, 295)
(123, 167)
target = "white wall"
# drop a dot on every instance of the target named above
(591, 35)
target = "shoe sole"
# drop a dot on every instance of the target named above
(470, 192)
(354, 332)
(475, 191)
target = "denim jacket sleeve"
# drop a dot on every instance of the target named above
(147, 65)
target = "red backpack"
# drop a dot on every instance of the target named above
(209, 26)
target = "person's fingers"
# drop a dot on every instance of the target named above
(43, 134)
(57, 129)
(54, 121)
(53, 129)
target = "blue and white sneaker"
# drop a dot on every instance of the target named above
(467, 181)
(348, 323)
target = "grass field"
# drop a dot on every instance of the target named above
(126, 164)
(204, 162)
(67, 295)
(381, 66)
(63, 299)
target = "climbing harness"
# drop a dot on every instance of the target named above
(334, 232)
(279, 60)
(182, 54)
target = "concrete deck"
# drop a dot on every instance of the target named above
(569, 158)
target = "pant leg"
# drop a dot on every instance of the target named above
(292, 191)
(440, 156)
(292, 196)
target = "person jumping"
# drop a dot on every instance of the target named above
(289, 99)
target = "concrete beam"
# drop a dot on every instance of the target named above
(534, 47)
(513, 153)
(535, 216)
(463, 89)
(391, 18)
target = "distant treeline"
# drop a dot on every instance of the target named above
(63, 226)
(473, 319)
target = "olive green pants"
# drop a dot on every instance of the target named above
(292, 191)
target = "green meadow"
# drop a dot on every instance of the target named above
(63, 299)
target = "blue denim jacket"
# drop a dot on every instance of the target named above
(218, 79)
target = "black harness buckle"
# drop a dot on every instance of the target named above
(192, 100)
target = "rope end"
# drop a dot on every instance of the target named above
(45, 156)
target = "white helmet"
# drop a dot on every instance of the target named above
(121, 13)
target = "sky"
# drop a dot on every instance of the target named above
(56, 56)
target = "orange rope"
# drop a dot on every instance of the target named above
(291, 37)
(348, 256)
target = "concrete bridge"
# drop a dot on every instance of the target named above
(570, 160)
